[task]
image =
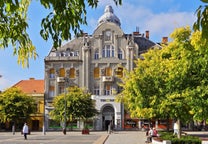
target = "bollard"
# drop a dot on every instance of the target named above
(64, 131)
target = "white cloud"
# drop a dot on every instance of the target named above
(4, 83)
(163, 24)
(134, 14)
(159, 24)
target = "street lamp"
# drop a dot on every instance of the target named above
(65, 80)
(64, 130)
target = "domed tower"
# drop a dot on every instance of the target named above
(109, 16)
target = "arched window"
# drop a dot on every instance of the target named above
(108, 51)
(72, 73)
(96, 55)
(108, 71)
(52, 73)
(96, 72)
(62, 72)
(120, 54)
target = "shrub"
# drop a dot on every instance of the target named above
(185, 139)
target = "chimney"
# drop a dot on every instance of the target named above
(85, 34)
(147, 34)
(31, 78)
(164, 40)
(136, 33)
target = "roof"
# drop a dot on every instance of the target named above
(31, 86)
(144, 44)
(109, 16)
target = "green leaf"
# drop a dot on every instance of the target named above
(205, 1)
(8, 7)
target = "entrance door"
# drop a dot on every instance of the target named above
(35, 125)
(108, 116)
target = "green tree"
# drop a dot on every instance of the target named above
(65, 16)
(202, 19)
(170, 82)
(15, 106)
(79, 105)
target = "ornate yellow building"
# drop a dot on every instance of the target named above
(96, 62)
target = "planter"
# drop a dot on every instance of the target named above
(158, 140)
(85, 131)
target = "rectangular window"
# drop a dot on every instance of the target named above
(72, 73)
(51, 91)
(96, 55)
(96, 90)
(119, 72)
(61, 89)
(120, 89)
(52, 75)
(96, 73)
(120, 55)
(108, 50)
(108, 72)
(108, 90)
(103, 53)
(76, 53)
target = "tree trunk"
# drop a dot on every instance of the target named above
(168, 124)
(179, 128)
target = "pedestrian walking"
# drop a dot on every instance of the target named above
(25, 130)
(149, 135)
(175, 128)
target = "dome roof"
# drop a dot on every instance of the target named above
(109, 16)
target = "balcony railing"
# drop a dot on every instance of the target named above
(108, 79)
(60, 79)
(62, 58)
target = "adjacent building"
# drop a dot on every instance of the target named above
(34, 88)
(96, 62)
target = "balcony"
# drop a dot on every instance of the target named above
(64, 58)
(108, 79)
(60, 79)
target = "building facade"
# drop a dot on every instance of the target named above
(96, 62)
(35, 89)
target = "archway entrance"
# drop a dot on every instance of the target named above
(108, 115)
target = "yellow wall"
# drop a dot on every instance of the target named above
(39, 115)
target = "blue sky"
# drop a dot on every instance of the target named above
(160, 17)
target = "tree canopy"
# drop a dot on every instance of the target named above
(15, 105)
(79, 105)
(65, 16)
(172, 81)
(202, 19)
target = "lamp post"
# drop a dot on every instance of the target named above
(65, 80)
(65, 91)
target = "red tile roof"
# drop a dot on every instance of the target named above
(31, 86)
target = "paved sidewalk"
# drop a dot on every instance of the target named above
(53, 138)
(75, 137)
(126, 137)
